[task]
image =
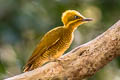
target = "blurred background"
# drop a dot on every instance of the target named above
(24, 22)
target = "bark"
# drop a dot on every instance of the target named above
(82, 62)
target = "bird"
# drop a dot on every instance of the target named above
(56, 41)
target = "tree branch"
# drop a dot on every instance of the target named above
(81, 62)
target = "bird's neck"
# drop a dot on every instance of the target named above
(71, 27)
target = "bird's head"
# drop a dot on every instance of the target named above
(73, 18)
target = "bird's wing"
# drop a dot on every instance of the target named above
(48, 40)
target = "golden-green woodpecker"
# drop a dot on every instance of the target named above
(55, 42)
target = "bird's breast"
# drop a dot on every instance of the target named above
(66, 40)
(62, 45)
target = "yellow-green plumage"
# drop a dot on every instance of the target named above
(55, 42)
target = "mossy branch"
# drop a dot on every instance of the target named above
(82, 62)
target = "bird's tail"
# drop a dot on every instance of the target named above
(28, 67)
(33, 65)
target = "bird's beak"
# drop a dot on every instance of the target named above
(87, 19)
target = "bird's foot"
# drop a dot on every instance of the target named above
(57, 60)
(60, 63)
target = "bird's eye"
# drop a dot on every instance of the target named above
(77, 17)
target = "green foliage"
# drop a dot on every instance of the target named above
(24, 22)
